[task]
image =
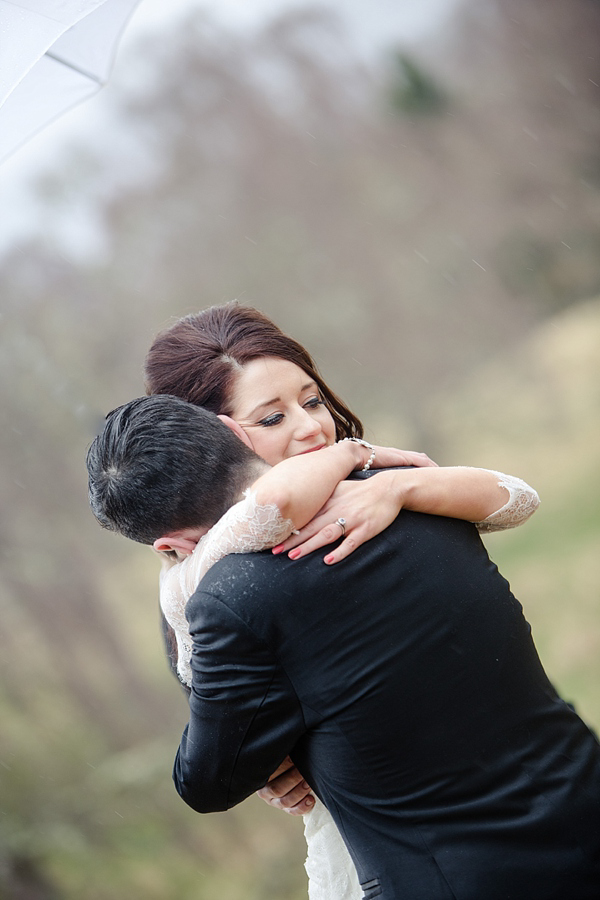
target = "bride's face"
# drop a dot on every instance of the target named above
(280, 408)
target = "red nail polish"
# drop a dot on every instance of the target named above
(294, 554)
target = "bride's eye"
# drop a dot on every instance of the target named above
(314, 403)
(273, 419)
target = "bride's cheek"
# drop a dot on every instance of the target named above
(248, 433)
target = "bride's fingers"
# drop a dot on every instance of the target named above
(419, 459)
(294, 540)
(347, 547)
(353, 539)
(391, 456)
(318, 524)
(327, 535)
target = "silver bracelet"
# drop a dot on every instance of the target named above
(366, 444)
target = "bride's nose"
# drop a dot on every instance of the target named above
(306, 425)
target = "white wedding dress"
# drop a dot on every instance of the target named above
(249, 527)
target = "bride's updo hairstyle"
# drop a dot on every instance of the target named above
(199, 357)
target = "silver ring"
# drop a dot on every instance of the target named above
(342, 523)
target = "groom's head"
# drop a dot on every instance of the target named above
(161, 465)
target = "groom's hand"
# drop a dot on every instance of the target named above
(287, 790)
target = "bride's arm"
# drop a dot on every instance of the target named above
(283, 499)
(300, 485)
(461, 492)
(285, 496)
(491, 500)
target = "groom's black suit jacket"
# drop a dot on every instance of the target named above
(405, 684)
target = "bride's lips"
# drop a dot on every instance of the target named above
(312, 449)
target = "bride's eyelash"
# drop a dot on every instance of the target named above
(276, 418)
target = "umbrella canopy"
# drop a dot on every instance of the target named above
(53, 55)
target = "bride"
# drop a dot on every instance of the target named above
(265, 386)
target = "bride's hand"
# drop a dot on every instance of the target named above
(287, 790)
(391, 456)
(367, 508)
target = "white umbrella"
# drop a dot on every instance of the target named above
(53, 55)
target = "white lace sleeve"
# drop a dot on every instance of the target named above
(521, 504)
(331, 872)
(245, 528)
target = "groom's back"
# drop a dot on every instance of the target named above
(433, 734)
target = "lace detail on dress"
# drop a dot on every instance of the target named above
(522, 502)
(331, 872)
(245, 528)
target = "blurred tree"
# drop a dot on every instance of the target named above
(412, 90)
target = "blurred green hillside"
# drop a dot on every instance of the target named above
(536, 413)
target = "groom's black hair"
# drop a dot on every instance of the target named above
(161, 464)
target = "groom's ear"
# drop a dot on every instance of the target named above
(237, 430)
(182, 543)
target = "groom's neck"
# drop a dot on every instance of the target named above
(256, 468)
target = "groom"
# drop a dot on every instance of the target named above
(403, 681)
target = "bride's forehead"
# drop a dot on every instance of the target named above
(269, 373)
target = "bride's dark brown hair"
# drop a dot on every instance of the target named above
(199, 357)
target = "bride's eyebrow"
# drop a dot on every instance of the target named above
(264, 405)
